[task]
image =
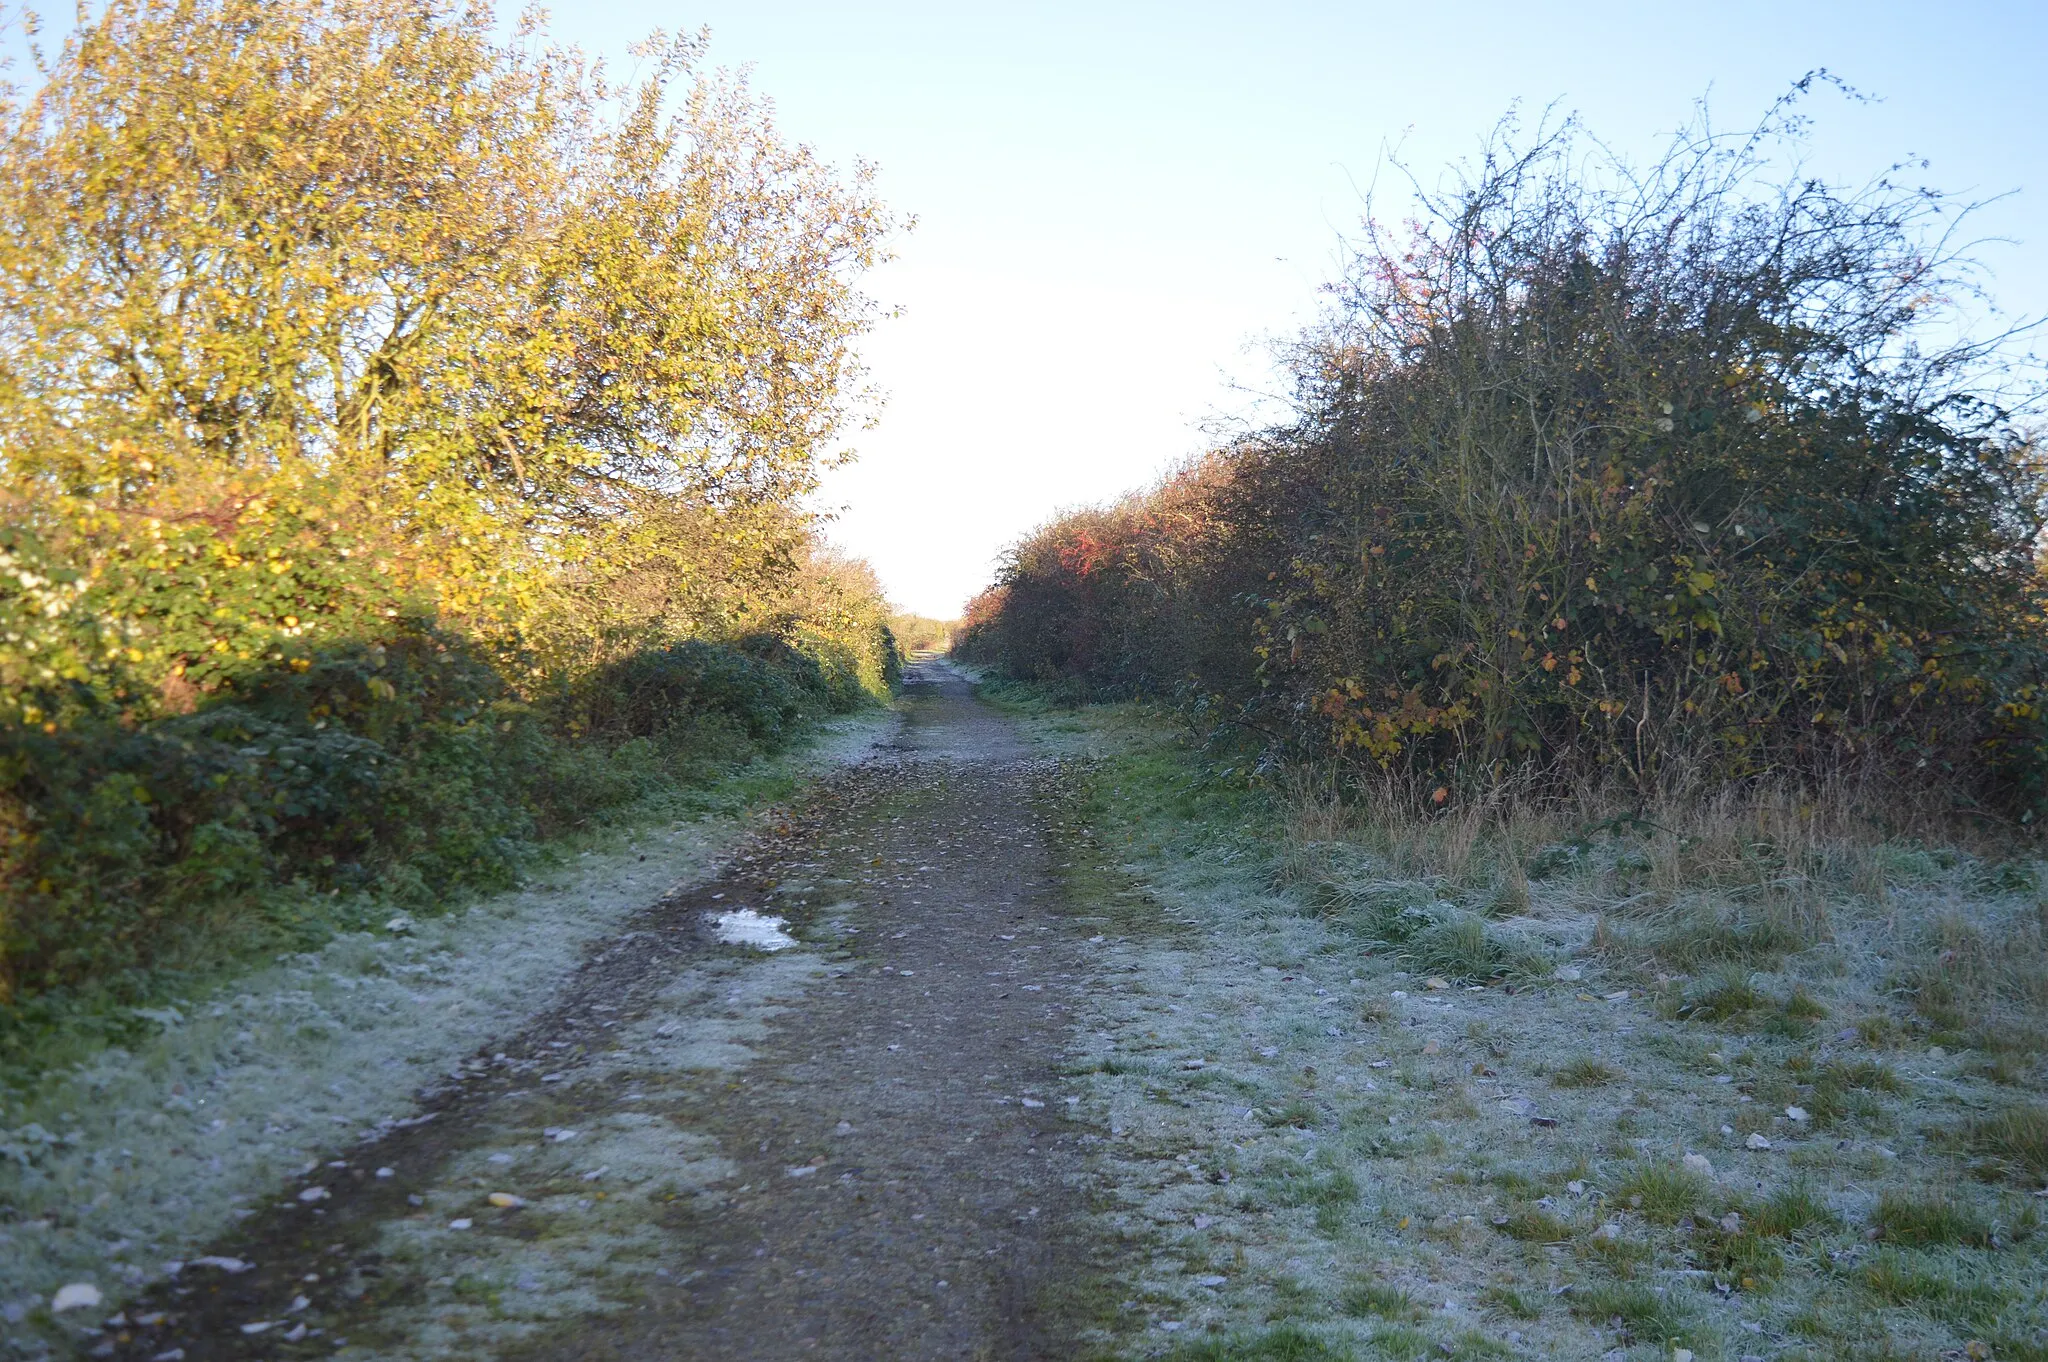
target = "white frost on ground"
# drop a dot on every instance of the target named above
(136, 1159)
(513, 1270)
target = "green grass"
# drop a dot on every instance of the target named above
(1285, 1343)
(1381, 1300)
(1663, 1192)
(1923, 1219)
(1464, 947)
(1641, 1313)
(1329, 1192)
(1723, 995)
(1520, 1304)
(1533, 1225)
(1586, 1072)
(1940, 1287)
(2014, 1140)
(1790, 1211)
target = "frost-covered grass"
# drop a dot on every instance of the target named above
(1381, 1089)
(117, 1166)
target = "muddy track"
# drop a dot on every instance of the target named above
(855, 1148)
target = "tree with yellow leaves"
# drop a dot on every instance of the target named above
(469, 296)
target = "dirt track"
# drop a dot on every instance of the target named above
(855, 1148)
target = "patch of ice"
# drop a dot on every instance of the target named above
(745, 927)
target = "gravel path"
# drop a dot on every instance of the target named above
(854, 1148)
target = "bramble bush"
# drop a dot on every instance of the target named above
(1655, 478)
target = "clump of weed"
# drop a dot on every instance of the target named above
(1330, 1192)
(1791, 1210)
(1722, 995)
(1802, 1005)
(2013, 1141)
(1944, 1288)
(1702, 936)
(1867, 1075)
(2008, 1071)
(1462, 946)
(1402, 1340)
(1520, 1304)
(1639, 1312)
(1513, 1181)
(1286, 1343)
(1985, 980)
(1586, 1072)
(1921, 1219)
(1665, 1193)
(1379, 1299)
(1299, 1113)
(1739, 1255)
(1533, 1225)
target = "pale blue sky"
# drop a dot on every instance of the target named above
(1118, 200)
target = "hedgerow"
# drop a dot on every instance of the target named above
(1645, 477)
(404, 437)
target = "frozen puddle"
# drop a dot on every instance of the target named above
(745, 927)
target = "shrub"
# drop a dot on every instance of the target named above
(1648, 474)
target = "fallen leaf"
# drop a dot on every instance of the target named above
(1436, 983)
(1756, 1141)
(506, 1201)
(1795, 1113)
(1699, 1163)
(314, 1194)
(462, 1224)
